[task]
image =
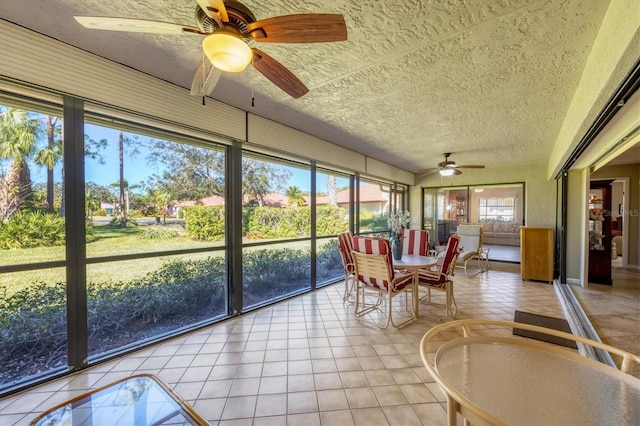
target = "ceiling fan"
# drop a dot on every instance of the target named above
(230, 30)
(448, 167)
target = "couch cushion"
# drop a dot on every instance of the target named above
(504, 228)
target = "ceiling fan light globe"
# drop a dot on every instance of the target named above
(446, 172)
(227, 52)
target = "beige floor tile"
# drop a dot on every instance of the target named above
(369, 417)
(302, 402)
(239, 407)
(361, 398)
(332, 400)
(307, 360)
(389, 395)
(401, 415)
(337, 418)
(271, 405)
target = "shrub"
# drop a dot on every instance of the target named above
(155, 232)
(280, 222)
(205, 223)
(292, 222)
(272, 273)
(90, 232)
(329, 262)
(331, 220)
(33, 320)
(115, 222)
(26, 229)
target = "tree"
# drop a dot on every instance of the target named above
(50, 156)
(295, 196)
(163, 199)
(261, 177)
(18, 136)
(332, 190)
(193, 173)
(122, 183)
(189, 172)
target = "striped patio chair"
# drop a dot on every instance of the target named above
(415, 241)
(374, 273)
(442, 279)
(345, 245)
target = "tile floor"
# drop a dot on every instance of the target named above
(614, 310)
(305, 361)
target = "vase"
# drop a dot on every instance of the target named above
(396, 247)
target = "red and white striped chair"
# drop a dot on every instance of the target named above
(442, 279)
(345, 245)
(415, 241)
(374, 273)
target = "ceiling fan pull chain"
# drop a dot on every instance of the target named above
(253, 100)
(203, 104)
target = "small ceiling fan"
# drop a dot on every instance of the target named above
(230, 30)
(448, 167)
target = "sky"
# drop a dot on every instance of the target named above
(137, 170)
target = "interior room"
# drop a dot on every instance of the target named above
(178, 181)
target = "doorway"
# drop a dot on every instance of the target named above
(600, 237)
(499, 208)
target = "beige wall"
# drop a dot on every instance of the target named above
(576, 230)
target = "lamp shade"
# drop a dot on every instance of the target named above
(227, 52)
(446, 172)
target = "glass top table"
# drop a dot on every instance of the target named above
(496, 378)
(414, 263)
(136, 400)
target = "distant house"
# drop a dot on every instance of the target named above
(271, 200)
(372, 199)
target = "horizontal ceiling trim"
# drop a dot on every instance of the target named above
(270, 134)
(28, 57)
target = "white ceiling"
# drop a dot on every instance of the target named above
(489, 80)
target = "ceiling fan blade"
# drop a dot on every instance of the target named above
(470, 166)
(427, 172)
(205, 80)
(278, 74)
(214, 9)
(303, 28)
(457, 172)
(134, 25)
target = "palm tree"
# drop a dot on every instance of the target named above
(18, 136)
(163, 198)
(295, 195)
(50, 156)
(332, 190)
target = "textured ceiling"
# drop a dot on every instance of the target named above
(489, 80)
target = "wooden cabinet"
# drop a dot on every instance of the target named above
(536, 253)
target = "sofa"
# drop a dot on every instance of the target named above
(501, 233)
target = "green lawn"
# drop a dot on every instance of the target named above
(111, 242)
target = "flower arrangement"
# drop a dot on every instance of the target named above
(396, 221)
